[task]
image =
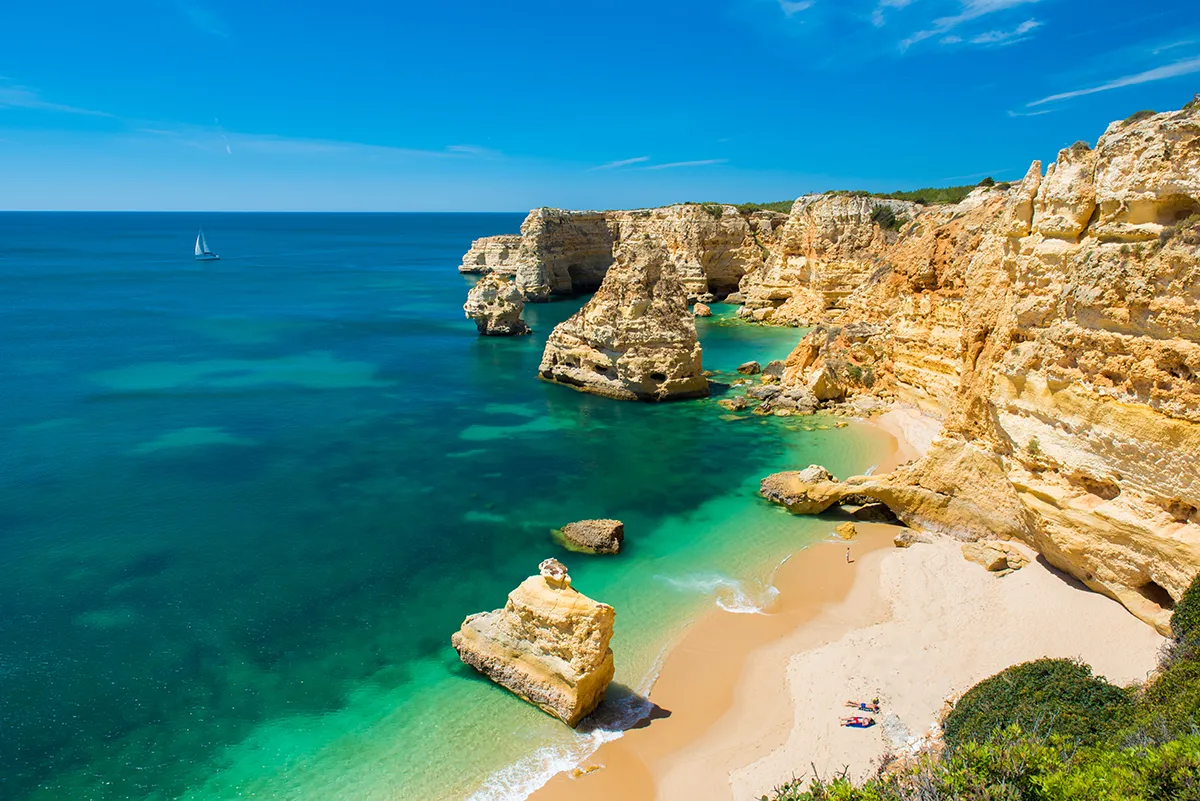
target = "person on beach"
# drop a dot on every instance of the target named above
(848, 559)
(858, 722)
(873, 706)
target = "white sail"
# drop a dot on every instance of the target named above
(201, 245)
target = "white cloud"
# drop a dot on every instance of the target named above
(1030, 113)
(1159, 50)
(675, 164)
(791, 7)
(1185, 67)
(1007, 37)
(16, 96)
(612, 165)
(971, 10)
(879, 16)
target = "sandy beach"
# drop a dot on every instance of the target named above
(754, 700)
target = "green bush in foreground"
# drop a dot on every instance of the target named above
(1185, 620)
(1016, 767)
(1051, 696)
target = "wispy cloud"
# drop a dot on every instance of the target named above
(1017, 34)
(1160, 50)
(13, 95)
(879, 15)
(203, 19)
(474, 150)
(1185, 67)
(792, 7)
(612, 165)
(971, 10)
(1031, 113)
(676, 164)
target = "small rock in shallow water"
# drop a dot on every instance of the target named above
(701, 310)
(750, 368)
(593, 536)
(846, 531)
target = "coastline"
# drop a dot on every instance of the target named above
(753, 700)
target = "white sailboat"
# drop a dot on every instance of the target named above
(202, 251)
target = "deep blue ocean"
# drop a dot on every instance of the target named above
(244, 504)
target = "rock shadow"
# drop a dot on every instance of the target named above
(623, 709)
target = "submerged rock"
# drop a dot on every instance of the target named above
(495, 304)
(549, 645)
(635, 339)
(593, 536)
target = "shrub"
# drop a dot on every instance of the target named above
(1138, 116)
(1051, 696)
(1185, 620)
(886, 218)
(1004, 186)
(988, 182)
(1193, 103)
(784, 206)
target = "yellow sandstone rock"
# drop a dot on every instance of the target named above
(549, 645)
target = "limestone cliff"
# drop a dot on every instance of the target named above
(635, 339)
(1055, 326)
(548, 645)
(492, 254)
(828, 246)
(562, 253)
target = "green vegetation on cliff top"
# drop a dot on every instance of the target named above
(929, 196)
(1050, 730)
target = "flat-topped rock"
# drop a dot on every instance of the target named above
(593, 536)
(549, 645)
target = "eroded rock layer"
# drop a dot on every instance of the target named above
(549, 645)
(635, 339)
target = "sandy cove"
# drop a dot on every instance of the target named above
(754, 700)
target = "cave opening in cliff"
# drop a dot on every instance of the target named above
(1154, 593)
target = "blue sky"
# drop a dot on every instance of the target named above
(465, 105)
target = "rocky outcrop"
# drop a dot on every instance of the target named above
(549, 645)
(593, 536)
(635, 339)
(1055, 327)
(495, 304)
(492, 254)
(996, 557)
(562, 253)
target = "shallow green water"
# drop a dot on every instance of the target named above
(247, 505)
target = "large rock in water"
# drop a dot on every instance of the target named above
(548, 645)
(635, 339)
(593, 536)
(495, 304)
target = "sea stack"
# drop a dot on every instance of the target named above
(548, 645)
(635, 339)
(495, 304)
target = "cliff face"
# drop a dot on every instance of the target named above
(826, 248)
(635, 339)
(548, 645)
(1056, 329)
(569, 252)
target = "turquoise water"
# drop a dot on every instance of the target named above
(245, 503)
